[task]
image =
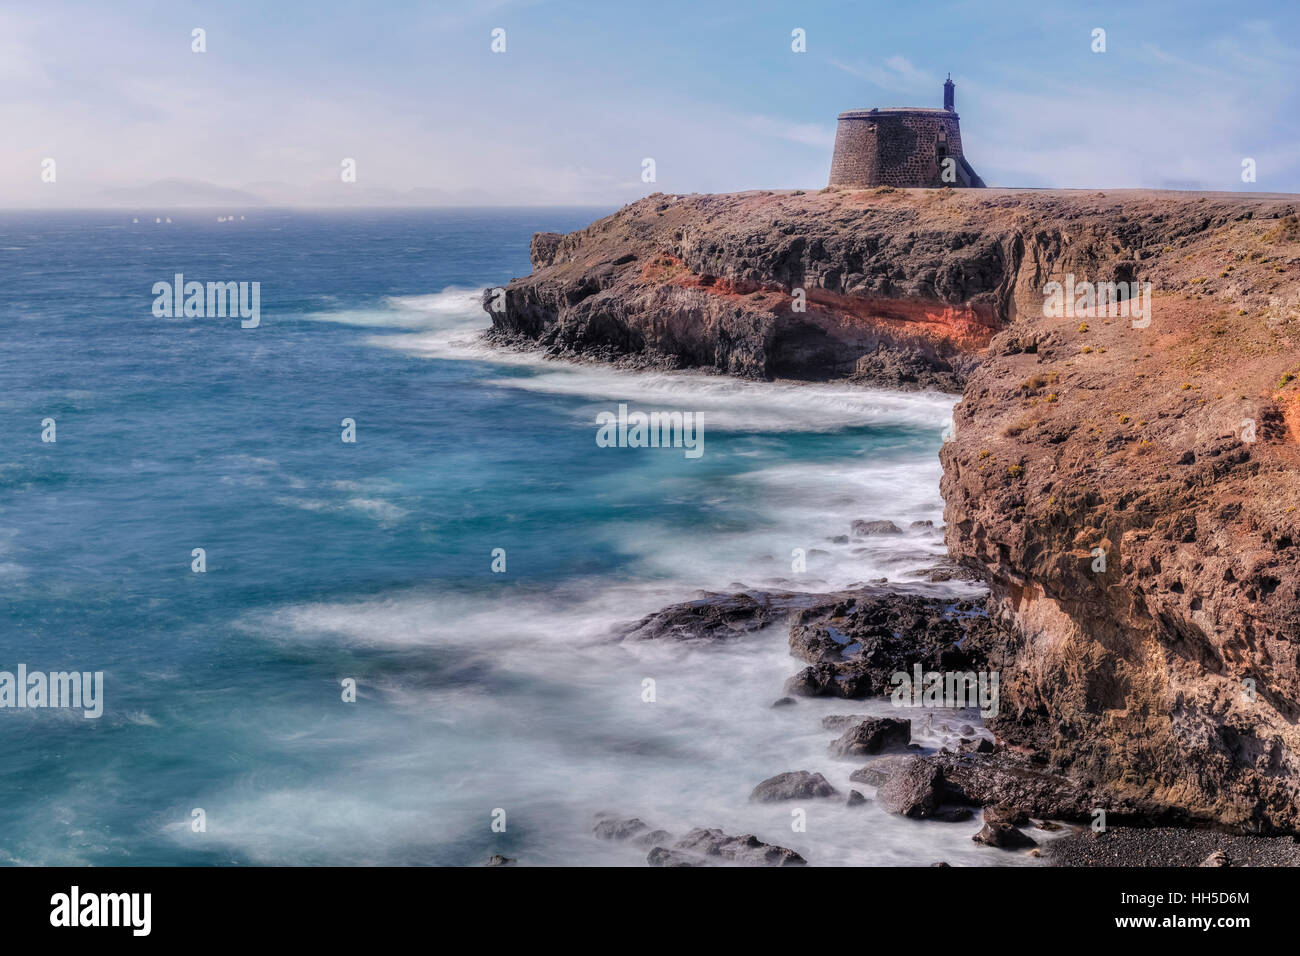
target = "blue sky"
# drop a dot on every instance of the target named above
(586, 90)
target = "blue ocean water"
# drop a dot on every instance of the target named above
(481, 695)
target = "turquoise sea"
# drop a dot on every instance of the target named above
(477, 691)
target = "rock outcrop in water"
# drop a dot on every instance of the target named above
(1129, 490)
(794, 785)
(707, 847)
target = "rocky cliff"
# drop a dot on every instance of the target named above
(1129, 489)
(873, 286)
(1131, 495)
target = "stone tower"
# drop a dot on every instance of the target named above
(908, 146)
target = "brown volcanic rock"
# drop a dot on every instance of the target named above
(904, 287)
(871, 736)
(1075, 435)
(915, 790)
(747, 849)
(897, 291)
(715, 616)
(1003, 836)
(1012, 787)
(1169, 681)
(794, 785)
(856, 644)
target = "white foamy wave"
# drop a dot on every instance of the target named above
(511, 620)
(732, 404)
(441, 731)
(555, 730)
(451, 324)
(454, 308)
(384, 512)
(728, 403)
(453, 301)
(9, 569)
(377, 508)
(797, 527)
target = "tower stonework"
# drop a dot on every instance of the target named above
(901, 147)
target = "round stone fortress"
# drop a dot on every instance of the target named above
(901, 147)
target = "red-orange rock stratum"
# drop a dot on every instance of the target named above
(1170, 672)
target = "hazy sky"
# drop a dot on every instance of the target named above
(586, 90)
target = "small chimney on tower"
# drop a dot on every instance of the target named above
(947, 93)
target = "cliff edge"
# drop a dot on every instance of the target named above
(874, 286)
(1131, 495)
(1128, 485)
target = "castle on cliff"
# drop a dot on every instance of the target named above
(910, 146)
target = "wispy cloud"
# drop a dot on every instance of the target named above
(895, 74)
(807, 134)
